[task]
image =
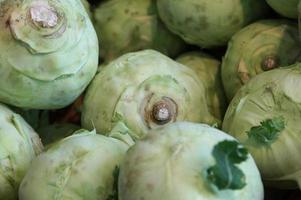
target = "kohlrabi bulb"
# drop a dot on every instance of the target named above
(259, 47)
(191, 161)
(145, 90)
(49, 52)
(208, 70)
(19, 145)
(265, 116)
(209, 23)
(83, 166)
(286, 8)
(125, 26)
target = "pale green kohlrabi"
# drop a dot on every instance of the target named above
(49, 52)
(286, 8)
(265, 116)
(19, 145)
(129, 25)
(208, 70)
(259, 47)
(145, 90)
(83, 166)
(189, 161)
(209, 23)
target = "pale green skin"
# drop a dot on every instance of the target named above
(209, 23)
(41, 72)
(129, 25)
(126, 88)
(170, 163)
(250, 47)
(79, 167)
(87, 6)
(19, 145)
(208, 70)
(268, 95)
(286, 8)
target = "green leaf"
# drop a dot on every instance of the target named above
(268, 131)
(225, 174)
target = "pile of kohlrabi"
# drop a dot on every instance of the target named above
(150, 100)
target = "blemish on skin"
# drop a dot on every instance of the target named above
(203, 22)
(150, 187)
(7, 23)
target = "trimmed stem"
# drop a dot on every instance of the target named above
(161, 112)
(43, 15)
(270, 62)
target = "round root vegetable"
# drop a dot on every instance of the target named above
(208, 70)
(49, 52)
(129, 25)
(82, 166)
(286, 8)
(209, 23)
(145, 90)
(19, 145)
(265, 116)
(189, 161)
(259, 47)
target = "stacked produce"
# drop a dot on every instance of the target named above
(269, 126)
(150, 99)
(196, 162)
(145, 90)
(130, 25)
(259, 47)
(285, 8)
(61, 171)
(19, 145)
(49, 53)
(208, 70)
(209, 23)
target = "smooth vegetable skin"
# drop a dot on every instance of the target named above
(259, 47)
(208, 70)
(19, 145)
(286, 8)
(129, 25)
(49, 52)
(189, 161)
(83, 166)
(209, 23)
(145, 90)
(87, 6)
(265, 116)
